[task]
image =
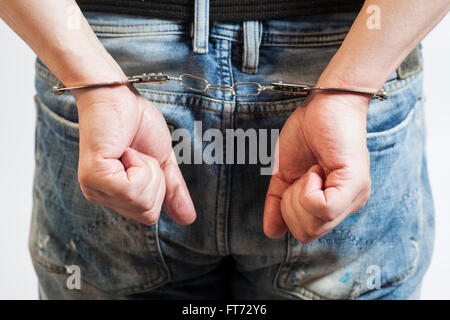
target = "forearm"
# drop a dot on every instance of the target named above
(369, 55)
(60, 35)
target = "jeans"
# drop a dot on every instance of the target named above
(380, 252)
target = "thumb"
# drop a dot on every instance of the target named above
(178, 200)
(274, 225)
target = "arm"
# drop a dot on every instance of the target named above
(324, 165)
(59, 34)
(119, 166)
(368, 57)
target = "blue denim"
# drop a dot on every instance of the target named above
(224, 253)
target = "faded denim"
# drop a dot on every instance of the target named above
(225, 253)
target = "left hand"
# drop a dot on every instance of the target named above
(323, 167)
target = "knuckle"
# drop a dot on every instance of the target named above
(84, 178)
(302, 237)
(326, 212)
(328, 215)
(366, 183)
(127, 194)
(150, 217)
(304, 233)
(368, 190)
(148, 205)
(152, 163)
(89, 195)
(365, 198)
(311, 232)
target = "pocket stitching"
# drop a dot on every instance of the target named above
(70, 128)
(395, 129)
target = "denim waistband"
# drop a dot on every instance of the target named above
(311, 31)
(306, 31)
(316, 30)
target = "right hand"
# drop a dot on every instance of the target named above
(126, 159)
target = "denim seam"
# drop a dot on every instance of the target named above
(219, 177)
(132, 25)
(307, 34)
(237, 29)
(156, 251)
(250, 104)
(72, 127)
(223, 52)
(216, 208)
(245, 55)
(266, 38)
(223, 111)
(49, 267)
(302, 45)
(44, 263)
(124, 28)
(52, 267)
(393, 130)
(57, 117)
(130, 30)
(264, 43)
(229, 64)
(144, 34)
(408, 273)
(303, 293)
(285, 261)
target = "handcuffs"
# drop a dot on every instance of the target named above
(202, 85)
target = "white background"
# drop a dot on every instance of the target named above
(17, 277)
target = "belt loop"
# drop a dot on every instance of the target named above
(252, 40)
(201, 27)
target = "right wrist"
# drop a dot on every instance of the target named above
(82, 65)
(116, 94)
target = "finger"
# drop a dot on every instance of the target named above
(138, 168)
(339, 194)
(304, 226)
(178, 201)
(153, 209)
(115, 177)
(292, 216)
(273, 223)
(138, 191)
(145, 171)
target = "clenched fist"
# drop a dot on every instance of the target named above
(323, 167)
(126, 160)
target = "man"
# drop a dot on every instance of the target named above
(348, 211)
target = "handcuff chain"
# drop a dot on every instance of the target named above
(202, 86)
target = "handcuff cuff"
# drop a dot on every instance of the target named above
(203, 86)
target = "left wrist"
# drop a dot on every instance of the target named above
(338, 81)
(329, 99)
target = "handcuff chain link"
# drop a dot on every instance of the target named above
(202, 86)
(210, 86)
